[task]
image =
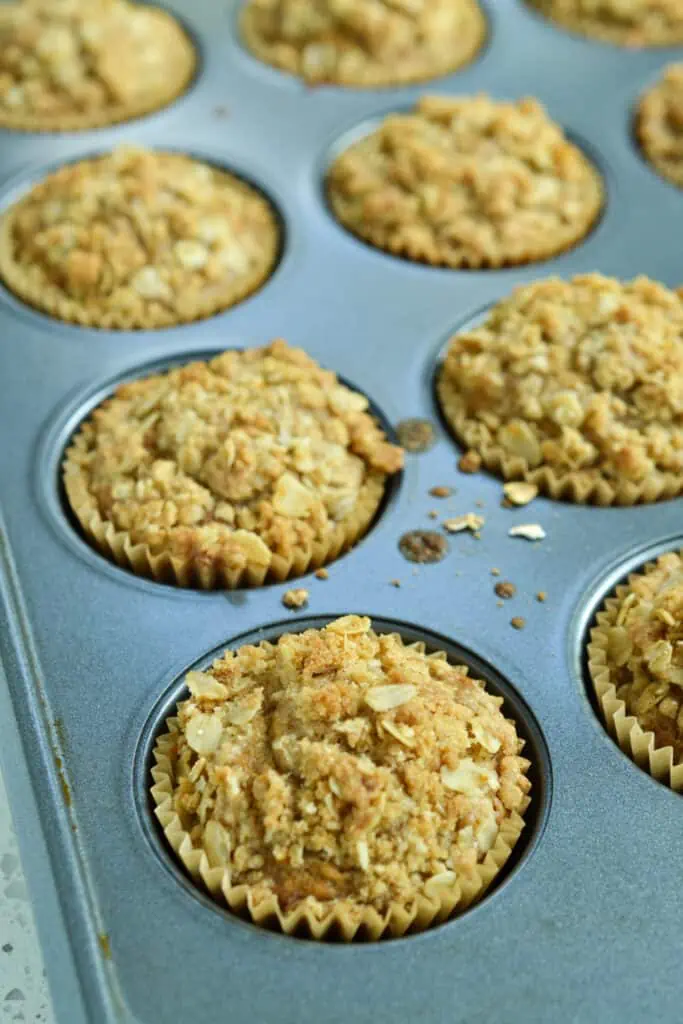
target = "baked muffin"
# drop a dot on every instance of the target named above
(255, 466)
(137, 239)
(635, 659)
(364, 42)
(341, 781)
(624, 22)
(575, 386)
(659, 124)
(74, 64)
(467, 182)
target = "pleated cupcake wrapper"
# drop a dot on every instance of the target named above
(573, 485)
(49, 299)
(607, 31)
(348, 920)
(432, 255)
(207, 573)
(469, 44)
(84, 121)
(637, 743)
(665, 163)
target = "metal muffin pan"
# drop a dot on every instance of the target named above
(584, 930)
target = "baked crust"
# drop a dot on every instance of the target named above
(634, 23)
(659, 124)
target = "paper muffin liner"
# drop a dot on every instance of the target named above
(348, 920)
(200, 569)
(574, 485)
(378, 77)
(637, 743)
(180, 73)
(429, 254)
(50, 300)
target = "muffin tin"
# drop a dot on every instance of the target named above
(583, 926)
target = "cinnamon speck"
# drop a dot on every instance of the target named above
(505, 589)
(518, 622)
(297, 598)
(416, 435)
(423, 546)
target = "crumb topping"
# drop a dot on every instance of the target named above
(660, 124)
(156, 237)
(645, 651)
(584, 377)
(626, 22)
(339, 764)
(257, 452)
(364, 42)
(467, 182)
(79, 63)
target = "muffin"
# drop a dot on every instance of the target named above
(635, 659)
(364, 42)
(624, 22)
(659, 124)
(340, 782)
(137, 239)
(575, 386)
(255, 466)
(467, 182)
(75, 64)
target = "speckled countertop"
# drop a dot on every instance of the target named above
(24, 996)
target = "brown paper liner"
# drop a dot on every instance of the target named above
(637, 743)
(348, 920)
(51, 300)
(435, 257)
(199, 569)
(180, 72)
(454, 57)
(576, 486)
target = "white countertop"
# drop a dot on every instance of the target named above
(24, 998)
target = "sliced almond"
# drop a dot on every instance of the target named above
(350, 624)
(216, 843)
(435, 885)
(470, 778)
(529, 531)
(202, 684)
(203, 732)
(520, 493)
(470, 521)
(363, 854)
(402, 735)
(385, 698)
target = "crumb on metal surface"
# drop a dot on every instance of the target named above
(296, 598)
(505, 589)
(423, 546)
(518, 622)
(541, 596)
(416, 435)
(441, 491)
(529, 531)
(322, 574)
(470, 521)
(470, 462)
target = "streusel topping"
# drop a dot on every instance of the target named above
(364, 42)
(583, 376)
(467, 182)
(645, 651)
(660, 124)
(80, 63)
(253, 453)
(626, 22)
(138, 237)
(340, 764)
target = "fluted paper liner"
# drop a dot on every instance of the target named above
(574, 485)
(637, 743)
(348, 920)
(402, 73)
(51, 300)
(179, 75)
(207, 573)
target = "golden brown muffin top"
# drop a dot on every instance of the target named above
(626, 22)
(256, 452)
(364, 42)
(343, 765)
(138, 238)
(69, 64)
(583, 376)
(660, 124)
(645, 650)
(466, 182)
